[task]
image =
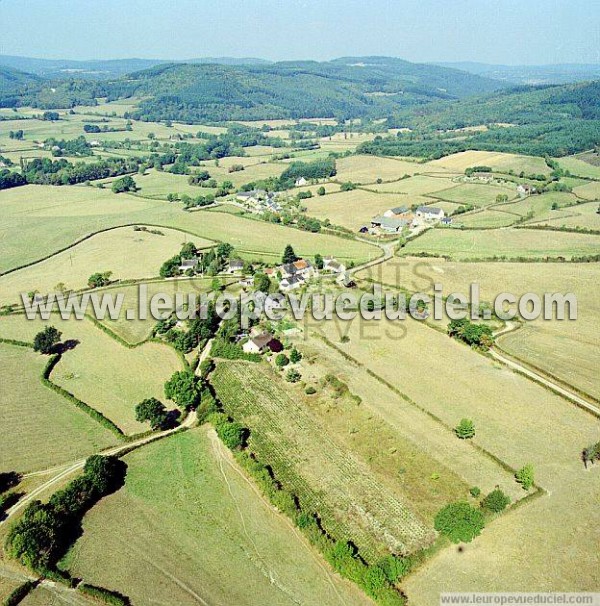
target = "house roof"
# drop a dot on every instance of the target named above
(429, 210)
(398, 210)
(189, 263)
(389, 222)
(262, 340)
(236, 263)
(301, 264)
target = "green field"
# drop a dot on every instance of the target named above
(36, 221)
(579, 167)
(186, 496)
(367, 169)
(40, 428)
(486, 218)
(582, 215)
(474, 193)
(510, 243)
(100, 371)
(416, 186)
(500, 162)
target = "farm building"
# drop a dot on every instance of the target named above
(291, 283)
(187, 264)
(300, 268)
(333, 265)
(258, 344)
(235, 266)
(430, 213)
(388, 224)
(301, 181)
(524, 189)
(394, 212)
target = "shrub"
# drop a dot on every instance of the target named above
(475, 491)
(293, 376)
(460, 522)
(295, 356)
(281, 360)
(104, 595)
(496, 501)
(183, 388)
(152, 410)
(231, 433)
(465, 430)
(310, 390)
(525, 476)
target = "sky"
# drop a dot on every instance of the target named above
(490, 31)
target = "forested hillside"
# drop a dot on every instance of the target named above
(554, 120)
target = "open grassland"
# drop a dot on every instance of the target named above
(582, 215)
(486, 218)
(36, 221)
(352, 209)
(328, 477)
(419, 185)
(515, 419)
(589, 191)
(159, 184)
(367, 169)
(500, 162)
(186, 496)
(128, 254)
(578, 167)
(565, 349)
(474, 193)
(540, 206)
(39, 427)
(509, 243)
(100, 371)
(252, 172)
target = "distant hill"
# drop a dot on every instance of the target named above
(348, 87)
(531, 74)
(12, 80)
(555, 120)
(104, 69)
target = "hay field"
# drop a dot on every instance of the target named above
(367, 169)
(353, 502)
(511, 243)
(128, 254)
(474, 193)
(352, 209)
(498, 161)
(418, 185)
(36, 221)
(589, 191)
(187, 496)
(41, 429)
(159, 184)
(252, 172)
(579, 167)
(582, 215)
(565, 349)
(100, 371)
(486, 218)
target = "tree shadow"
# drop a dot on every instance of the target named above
(172, 419)
(61, 348)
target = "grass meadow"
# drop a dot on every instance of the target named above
(186, 495)
(36, 221)
(41, 429)
(128, 254)
(100, 371)
(364, 169)
(498, 161)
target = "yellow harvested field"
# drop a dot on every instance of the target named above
(253, 172)
(565, 349)
(127, 253)
(498, 161)
(367, 169)
(352, 209)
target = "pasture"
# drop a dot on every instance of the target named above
(100, 371)
(184, 493)
(578, 167)
(41, 429)
(364, 169)
(353, 502)
(419, 185)
(127, 253)
(352, 209)
(509, 243)
(159, 184)
(486, 219)
(589, 191)
(474, 193)
(251, 173)
(36, 221)
(565, 349)
(582, 215)
(498, 161)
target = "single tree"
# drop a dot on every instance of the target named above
(295, 356)
(281, 360)
(183, 388)
(152, 410)
(465, 430)
(525, 476)
(460, 522)
(496, 501)
(293, 376)
(289, 256)
(319, 261)
(45, 340)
